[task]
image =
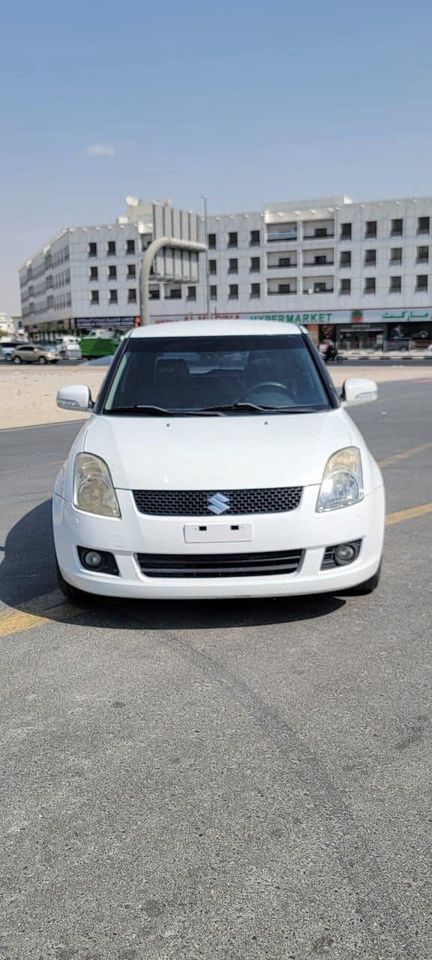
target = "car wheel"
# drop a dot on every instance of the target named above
(42, 360)
(368, 586)
(17, 360)
(72, 593)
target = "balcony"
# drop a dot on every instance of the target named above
(281, 288)
(318, 229)
(278, 232)
(323, 258)
(313, 286)
(277, 262)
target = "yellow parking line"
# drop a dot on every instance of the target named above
(404, 455)
(28, 616)
(18, 621)
(410, 514)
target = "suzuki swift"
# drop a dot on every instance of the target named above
(218, 461)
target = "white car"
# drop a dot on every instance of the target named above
(219, 461)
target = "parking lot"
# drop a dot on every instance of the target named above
(218, 781)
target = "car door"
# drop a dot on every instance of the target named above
(28, 354)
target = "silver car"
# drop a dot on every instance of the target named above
(32, 353)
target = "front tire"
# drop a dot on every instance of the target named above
(368, 586)
(17, 360)
(42, 360)
(72, 593)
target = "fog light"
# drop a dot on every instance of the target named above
(344, 553)
(92, 559)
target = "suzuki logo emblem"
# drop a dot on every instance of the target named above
(218, 503)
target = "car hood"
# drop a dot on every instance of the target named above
(229, 452)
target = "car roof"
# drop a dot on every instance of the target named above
(216, 328)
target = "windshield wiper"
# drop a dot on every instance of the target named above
(150, 410)
(245, 406)
(140, 408)
(232, 407)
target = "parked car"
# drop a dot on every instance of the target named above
(33, 353)
(7, 347)
(195, 478)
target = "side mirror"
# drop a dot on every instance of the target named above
(74, 398)
(358, 391)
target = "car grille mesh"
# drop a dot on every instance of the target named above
(220, 564)
(195, 503)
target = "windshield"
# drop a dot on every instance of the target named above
(216, 375)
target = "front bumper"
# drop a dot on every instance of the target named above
(302, 528)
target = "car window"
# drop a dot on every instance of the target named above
(203, 373)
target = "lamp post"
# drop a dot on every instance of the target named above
(147, 260)
(204, 200)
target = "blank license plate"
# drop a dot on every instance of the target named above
(218, 532)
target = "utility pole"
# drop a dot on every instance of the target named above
(204, 200)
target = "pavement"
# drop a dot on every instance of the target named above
(218, 781)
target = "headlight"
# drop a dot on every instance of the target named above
(93, 487)
(342, 482)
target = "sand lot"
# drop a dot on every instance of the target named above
(28, 396)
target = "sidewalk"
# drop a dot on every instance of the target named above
(389, 355)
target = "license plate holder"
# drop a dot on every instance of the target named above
(218, 532)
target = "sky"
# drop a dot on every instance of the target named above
(246, 101)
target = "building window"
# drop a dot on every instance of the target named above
(212, 266)
(94, 274)
(211, 241)
(369, 285)
(422, 254)
(255, 238)
(255, 290)
(397, 227)
(174, 294)
(92, 249)
(346, 231)
(131, 270)
(395, 285)
(345, 258)
(233, 291)
(423, 225)
(255, 265)
(154, 293)
(132, 295)
(130, 246)
(283, 262)
(233, 265)
(111, 248)
(213, 293)
(284, 288)
(233, 239)
(112, 273)
(421, 281)
(345, 285)
(370, 228)
(191, 293)
(396, 255)
(370, 257)
(94, 296)
(113, 298)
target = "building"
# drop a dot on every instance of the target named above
(360, 272)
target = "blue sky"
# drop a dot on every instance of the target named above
(247, 101)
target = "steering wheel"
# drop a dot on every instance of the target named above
(265, 385)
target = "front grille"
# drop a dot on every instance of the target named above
(196, 503)
(220, 564)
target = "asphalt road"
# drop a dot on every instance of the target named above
(218, 781)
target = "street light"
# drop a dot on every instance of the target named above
(204, 200)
